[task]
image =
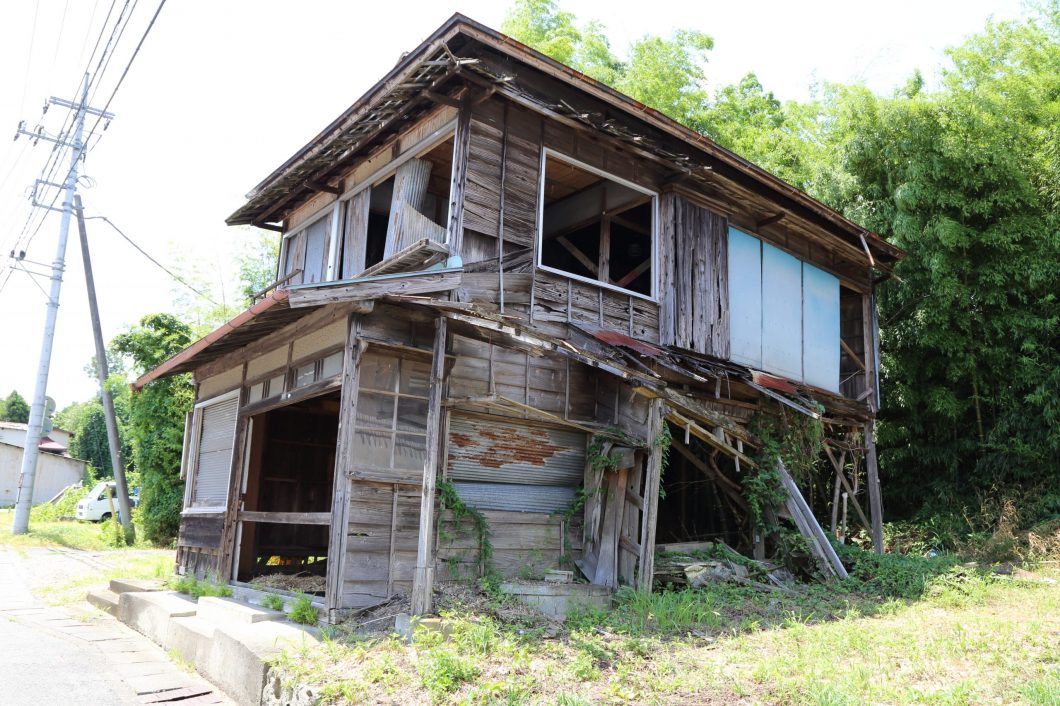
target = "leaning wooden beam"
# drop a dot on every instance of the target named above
(875, 495)
(423, 577)
(652, 480)
(809, 527)
(365, 288)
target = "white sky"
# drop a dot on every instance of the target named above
(223, 92)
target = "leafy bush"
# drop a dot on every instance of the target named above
(303, 611)
(892, 575)
(64, 507)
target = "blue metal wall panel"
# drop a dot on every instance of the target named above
(745, 298)
(781, 313)
(820, 325)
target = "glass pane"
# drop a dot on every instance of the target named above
(276, 386)
(412, 415)
(375, 411)
(372, 449)
(257, 392)
(332, 365)
(415, 377)
(304, 374)
(378, 372)
(411, 451)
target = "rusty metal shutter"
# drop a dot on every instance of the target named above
(514, 466)
(217, 431)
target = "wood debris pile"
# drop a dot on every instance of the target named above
(700, 564)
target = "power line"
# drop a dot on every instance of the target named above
(156, 262)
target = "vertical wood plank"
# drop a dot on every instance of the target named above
(666, 265)
(652, 479)
(459, 185)
(423, 578)
(875, 494)
(355, 235)
(340, 502)
(235, 484)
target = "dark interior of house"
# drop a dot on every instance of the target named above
(290, 472)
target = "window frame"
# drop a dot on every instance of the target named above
(546, 152)
(193, 461)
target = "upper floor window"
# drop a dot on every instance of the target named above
(596, 227)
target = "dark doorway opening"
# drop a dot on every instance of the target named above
(287, 494)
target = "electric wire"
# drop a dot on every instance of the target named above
(158, 264)
(55, 160)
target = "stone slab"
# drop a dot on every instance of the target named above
(135, 585)
(240, 655)
(149, 613)
(192, 639)
(228, 610)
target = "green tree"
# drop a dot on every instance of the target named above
(156, 421)
(964, 179)
(14, 408)
(665, 73)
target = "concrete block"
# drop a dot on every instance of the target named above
(227, 610)
(240, 654)
(556, 600)
(137, 585)
(104, 599)
(192, 639)
(150, 613)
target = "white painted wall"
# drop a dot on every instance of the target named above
(53, 474)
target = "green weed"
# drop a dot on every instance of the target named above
(303, 611)
(272, 601)
(198, 588)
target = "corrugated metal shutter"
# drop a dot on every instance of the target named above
(213, 465)
(497, 465)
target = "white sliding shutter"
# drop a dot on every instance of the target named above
(213, 455)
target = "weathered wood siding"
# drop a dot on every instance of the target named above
(694, 310)
(199, 545)
(383, 527)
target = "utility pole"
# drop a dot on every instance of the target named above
(31, 450)
(101, 368)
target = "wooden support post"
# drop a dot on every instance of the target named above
(340, 501)
(423, 578)
(875, 496)
(652, 480)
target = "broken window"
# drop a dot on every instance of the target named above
(214, 427)
(390, 436)
(597, 228)
(409, 205)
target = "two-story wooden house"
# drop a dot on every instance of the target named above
(494, 272)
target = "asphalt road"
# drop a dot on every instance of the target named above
(44, 666)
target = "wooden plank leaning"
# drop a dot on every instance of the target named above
(809, 527)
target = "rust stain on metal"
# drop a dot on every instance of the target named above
(615, 338)
(774, 383)
(499, 445)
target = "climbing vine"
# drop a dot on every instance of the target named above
(797, 440)
(451, 501)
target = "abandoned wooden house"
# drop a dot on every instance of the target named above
(501, 283)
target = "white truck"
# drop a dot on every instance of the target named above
(95, 506)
